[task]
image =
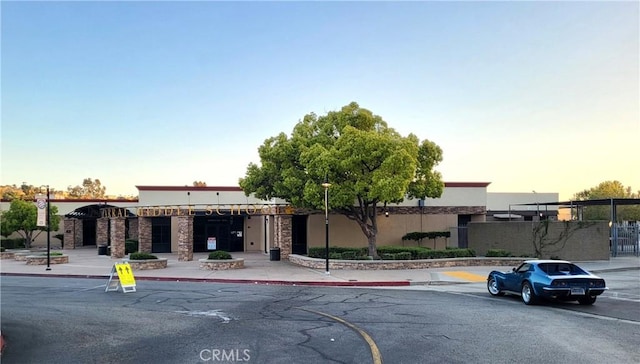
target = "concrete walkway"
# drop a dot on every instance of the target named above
(85, 262)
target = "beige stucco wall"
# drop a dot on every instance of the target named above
(347, 233)
(586, 243)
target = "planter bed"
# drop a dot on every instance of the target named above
(11, 253)
(147, 264)
(317, 263)
(42, 259)
(221, 264)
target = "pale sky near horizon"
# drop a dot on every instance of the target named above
(528, 96)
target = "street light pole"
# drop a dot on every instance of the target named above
(326, 186)
(48, 229)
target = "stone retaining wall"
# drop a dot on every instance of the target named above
(221, 264)
(147, 264)
(42, 259)
(316, 263)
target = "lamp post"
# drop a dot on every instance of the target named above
(48, 223)
(326, 186)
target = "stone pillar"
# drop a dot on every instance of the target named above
(283, 225)
(144, 234)
(117, 237)
(102, 231)
(77, 232)
(69, 233)
(185, 238)
(133, 228)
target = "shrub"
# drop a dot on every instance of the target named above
(388, 256)
(318, 252)
(403, 256)
(130, 246)
(52, 254)
(335, 255)
(349, 255)
(17, 243)
(1, 248)
(414, 250)
(219, 255)
(141, 256)
(497, 253)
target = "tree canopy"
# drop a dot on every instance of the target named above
(367, 163)
(605, 190)
(22, 218)
(89, 189)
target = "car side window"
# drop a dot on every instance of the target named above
(524, 268)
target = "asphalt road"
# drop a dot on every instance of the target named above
(53, 320)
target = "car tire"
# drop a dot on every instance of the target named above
(587, 300)
(528, 295)
(492, 287)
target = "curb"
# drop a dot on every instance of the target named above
(220, 280)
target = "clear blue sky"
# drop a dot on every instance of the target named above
(526, 95)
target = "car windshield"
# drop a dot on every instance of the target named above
(554, 269)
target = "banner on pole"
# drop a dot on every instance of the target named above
(41, 204)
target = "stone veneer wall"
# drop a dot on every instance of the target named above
(316, 263)
(148, 264)
(133, 228)
(283, 226)
(78, 234)
(117, 237)
(102, 231)
(185, 238)
(69, 233)
(144, 234)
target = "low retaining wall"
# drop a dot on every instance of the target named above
(147, 264)
(316, 263)
(221, 264)
(42, 259)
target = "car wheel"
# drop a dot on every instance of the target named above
(492, 286)
(528, 295)
(587, 300)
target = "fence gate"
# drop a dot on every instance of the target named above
(625, 239)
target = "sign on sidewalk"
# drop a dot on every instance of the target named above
(121, 277)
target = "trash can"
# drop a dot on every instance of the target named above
(274, 254)
(102, 250)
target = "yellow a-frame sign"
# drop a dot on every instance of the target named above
(121, 277)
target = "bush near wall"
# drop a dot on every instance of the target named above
(15, 243)
(141, 256)
(497, 253)
(391, 253)
(130, 246)
(219, 255)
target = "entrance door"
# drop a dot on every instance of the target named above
(89, 232)
(161, 235)
(299, 234)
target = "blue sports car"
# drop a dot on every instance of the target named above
(558, 279)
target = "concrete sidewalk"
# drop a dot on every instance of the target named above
(85, 262)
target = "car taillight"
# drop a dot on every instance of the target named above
(558, 284)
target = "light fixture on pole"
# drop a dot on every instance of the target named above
(43, 204)
(326, 186)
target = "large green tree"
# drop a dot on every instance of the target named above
(607, 190)
(22, 218)
(368, 164)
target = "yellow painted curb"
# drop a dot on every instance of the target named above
(466, 276)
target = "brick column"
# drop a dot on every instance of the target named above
(102, 231)
(133, 228)
(69, 233)
(144, 234)
(117, 237)
(185, 238)
(283, 224)
(77, 233)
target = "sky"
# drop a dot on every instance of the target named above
(529, 96)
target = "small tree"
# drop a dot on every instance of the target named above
(544, 244)
(22, 218)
